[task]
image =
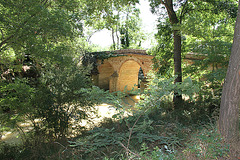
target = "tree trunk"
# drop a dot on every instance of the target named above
(177, 99)
(114, 44)
(230, 100)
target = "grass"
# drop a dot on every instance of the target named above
(155, 135)
(151, 136)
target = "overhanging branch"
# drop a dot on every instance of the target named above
(21, 26)
(183, 11)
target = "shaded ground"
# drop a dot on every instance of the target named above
(103, 111)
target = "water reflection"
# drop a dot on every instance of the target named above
(131, 100)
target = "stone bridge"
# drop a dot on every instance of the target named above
(121, 73)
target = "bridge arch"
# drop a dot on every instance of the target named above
(122, 71)
(128, 75)
(105, 71)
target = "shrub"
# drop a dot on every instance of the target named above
(63, 94)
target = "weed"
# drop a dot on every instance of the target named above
(207, 144)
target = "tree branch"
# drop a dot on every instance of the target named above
(171, 13)
(21, 26)
(5, 41)
(2, 48)
(2, 34)
(183, 12)
(130, 134)
(129, 151)
(162, 2)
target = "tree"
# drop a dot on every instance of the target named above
(130, 30)
(203, 20)
(209, 33)
(24, 22)
(175, 22)
(230, 100)
(163, 51)
(42, 34)
(123, 20)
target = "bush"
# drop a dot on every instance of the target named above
(9, 152)
(62, 95)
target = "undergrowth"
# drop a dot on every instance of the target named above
(154, 130)
(206, 144)
(150, 140)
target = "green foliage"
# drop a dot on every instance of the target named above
(207, 144)
(122, 19)
(35, 27)
(91, 58)
(103, 141)
(205, 32)
(98, 138)
(129, 132)
(61, 96)
(209, 34)
(33, 149)
(150, 133)
(131, 34)
(64, 96)
(201, 102)
(204, 144)
(46, 32)
(9, 152)
(163, 52)
(15, 102)
(154, 154)
(161, 89)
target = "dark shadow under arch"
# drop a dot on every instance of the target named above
(105, 71)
